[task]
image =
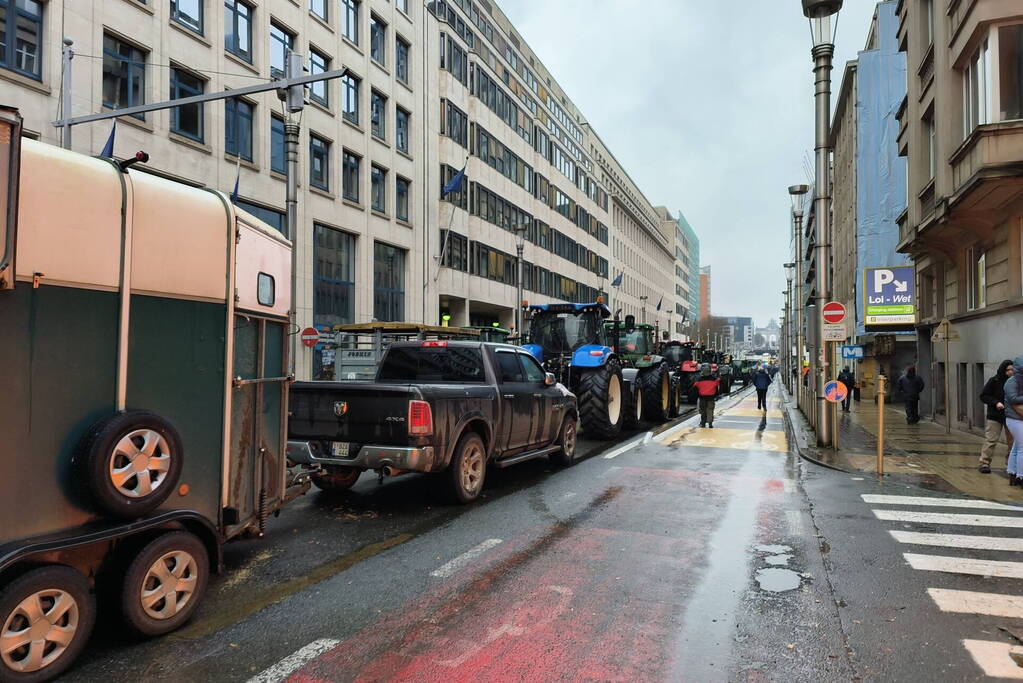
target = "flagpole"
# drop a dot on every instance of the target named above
(444, 243)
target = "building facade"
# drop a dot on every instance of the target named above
(705, 311)
(687, 278)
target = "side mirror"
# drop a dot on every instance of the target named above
(630, 323)
(549, 379)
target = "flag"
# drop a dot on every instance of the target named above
(455, 184)
(237, 179)
(108, 149)
(617, 282)
(659, 303)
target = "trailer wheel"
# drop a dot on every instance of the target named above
(165, 583)
(656, 386)
(131, 463)
(468, 468)
(336, 478)
(602, 401)
(567, 440)
(46, 617)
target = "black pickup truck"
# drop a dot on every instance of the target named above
(435, 406)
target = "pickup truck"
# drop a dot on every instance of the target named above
(449, 407)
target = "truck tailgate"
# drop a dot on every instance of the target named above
(358, 412)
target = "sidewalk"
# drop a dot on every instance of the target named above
(922, 449)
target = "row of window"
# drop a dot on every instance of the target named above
(499, 157)
(351, 179)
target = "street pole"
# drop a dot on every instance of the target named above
(67, 54)
(291, 133)
(880, 424)
(519, 246)
(796, 193)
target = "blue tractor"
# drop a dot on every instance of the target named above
(569, 341)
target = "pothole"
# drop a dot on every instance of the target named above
(772, 549)
(778, 560)
(777, 580)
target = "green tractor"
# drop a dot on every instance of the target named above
(491, 333)
(643, 367)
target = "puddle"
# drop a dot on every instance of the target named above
(772, 549)
(777, 580)
(778, 560)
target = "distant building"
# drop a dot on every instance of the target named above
(687, 253)
(704, 294)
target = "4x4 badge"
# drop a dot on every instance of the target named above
(340, 408)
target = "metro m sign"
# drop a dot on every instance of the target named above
(889, 296)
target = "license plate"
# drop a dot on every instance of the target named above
(339, 449)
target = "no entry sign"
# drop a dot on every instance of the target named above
(833, 312)
(310, 337)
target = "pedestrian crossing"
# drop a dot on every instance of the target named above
(948, 525)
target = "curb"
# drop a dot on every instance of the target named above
(797, 429)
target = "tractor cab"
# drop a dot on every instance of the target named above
(558, 332)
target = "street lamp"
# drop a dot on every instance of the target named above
(520, 244)
(819, 12)
(786, 328)
(796, 194)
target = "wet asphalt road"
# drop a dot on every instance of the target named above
(691, 554)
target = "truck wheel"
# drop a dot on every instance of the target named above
(131, 463)
(46, 617)
(336, 478)
(602, 401)
(567, 441)
(468, 468)
(164, 583)
(633, 406)
(656, 386)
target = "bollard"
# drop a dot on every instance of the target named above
(880, 424)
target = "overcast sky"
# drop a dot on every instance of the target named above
(709, 106)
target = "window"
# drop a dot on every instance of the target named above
(124, 74)
(401, 50)
(977, 269)
(402, 5)
(388, 282)
(927, 14)
(459, 198)
(378, 188)
(319, 8)
(510, 367)
(188, 119)
(318, 64)
(455, 123)
(454, 250)
(21, 32)
(401, 191)
(378, 115)
(350, 98)
(187, 13)
(238, 115)
(238, 29)
(350, 176)
(1010, 71)
(265, 294)
(454, 59)
(350, 20)
(401, 129)
(930, 139)
(281, 43)
(333, 277)
(377, 40)
(976, 89)
(531, 369)
(319, 162)
(272, 217)
(278, 158)
(457, 364)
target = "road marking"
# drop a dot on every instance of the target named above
(959, 541)
(876, 499)
(622, 449)
(449, 568)
(993, 658)
(965, 565)
(295, 661)
(971, 602)
(947, 518)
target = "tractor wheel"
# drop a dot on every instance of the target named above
(655, 383)
(601, 401)
(633, 406)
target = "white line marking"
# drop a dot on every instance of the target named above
(971, 602)
(295, 661)
(449, 568)
(622, 449)
(876, 499)
(993, 658)
(965, 565)
(959, 541)
(947, 518)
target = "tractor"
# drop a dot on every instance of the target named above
(568, 341)
(643, 366)
(682, 358)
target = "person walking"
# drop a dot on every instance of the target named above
(761, 381)
(911, 384)
(707, 390)
(993, 396)
(1013, 402)
(847, 379)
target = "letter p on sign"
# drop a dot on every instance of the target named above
(881, 278)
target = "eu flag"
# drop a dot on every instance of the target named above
(108, 149)
(617, 282)
(455, 184)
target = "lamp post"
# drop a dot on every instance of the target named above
(787, 327)
(796, 194)
(520, 243)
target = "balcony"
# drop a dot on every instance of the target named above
(987, 169)
(926, 71)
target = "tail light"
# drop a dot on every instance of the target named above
(596, 353)
(420, 418)
(689, 366)
(434, 344)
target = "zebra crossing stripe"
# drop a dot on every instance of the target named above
(958, 541)
(972, 602)
(947, 518)
(877, 499)
(965, 565)
(993, 658)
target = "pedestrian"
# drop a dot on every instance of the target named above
(707, 390)
(849, 381)
(911, 384)
(761, 381)
(993, 396)
(1013, 401)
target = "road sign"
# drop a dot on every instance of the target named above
(852, 352)
(310, 337)
(835, 391)
(833, 312)
(834, 332)
(945, 332)
(889, 296)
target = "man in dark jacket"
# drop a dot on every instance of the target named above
(911, 384)
(846, 378)
(761, 381)
(993, 396)
(707, 389)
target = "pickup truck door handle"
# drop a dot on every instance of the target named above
(508, 395)
(537, 395)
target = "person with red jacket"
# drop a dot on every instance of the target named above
(707, 389)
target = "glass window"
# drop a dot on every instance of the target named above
(187, 13)
(278, 159)
(333, 277)
(456, 124)
(377, 40)
(531, 370)
(402, 5)
(280, 45)
(350, 20)
(401, 50)
(401, 192)
(977, 295)
(932, 151)
(401, 129)
(272, 217)
(378, 189)
(350, 176)
(350, 98)
(265, 289)
(1010, 71)
(445, 364)
(318, 64)
(186, 120)
(319, 8)
(124, 74)
(238, 29)
(975, 90)
(388, 282)
(21, 31)
(319, 162)
(378, 115)
(509, 366)
(238, 115)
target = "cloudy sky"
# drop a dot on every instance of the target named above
(709, 107)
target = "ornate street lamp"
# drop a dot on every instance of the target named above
(520, 244)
